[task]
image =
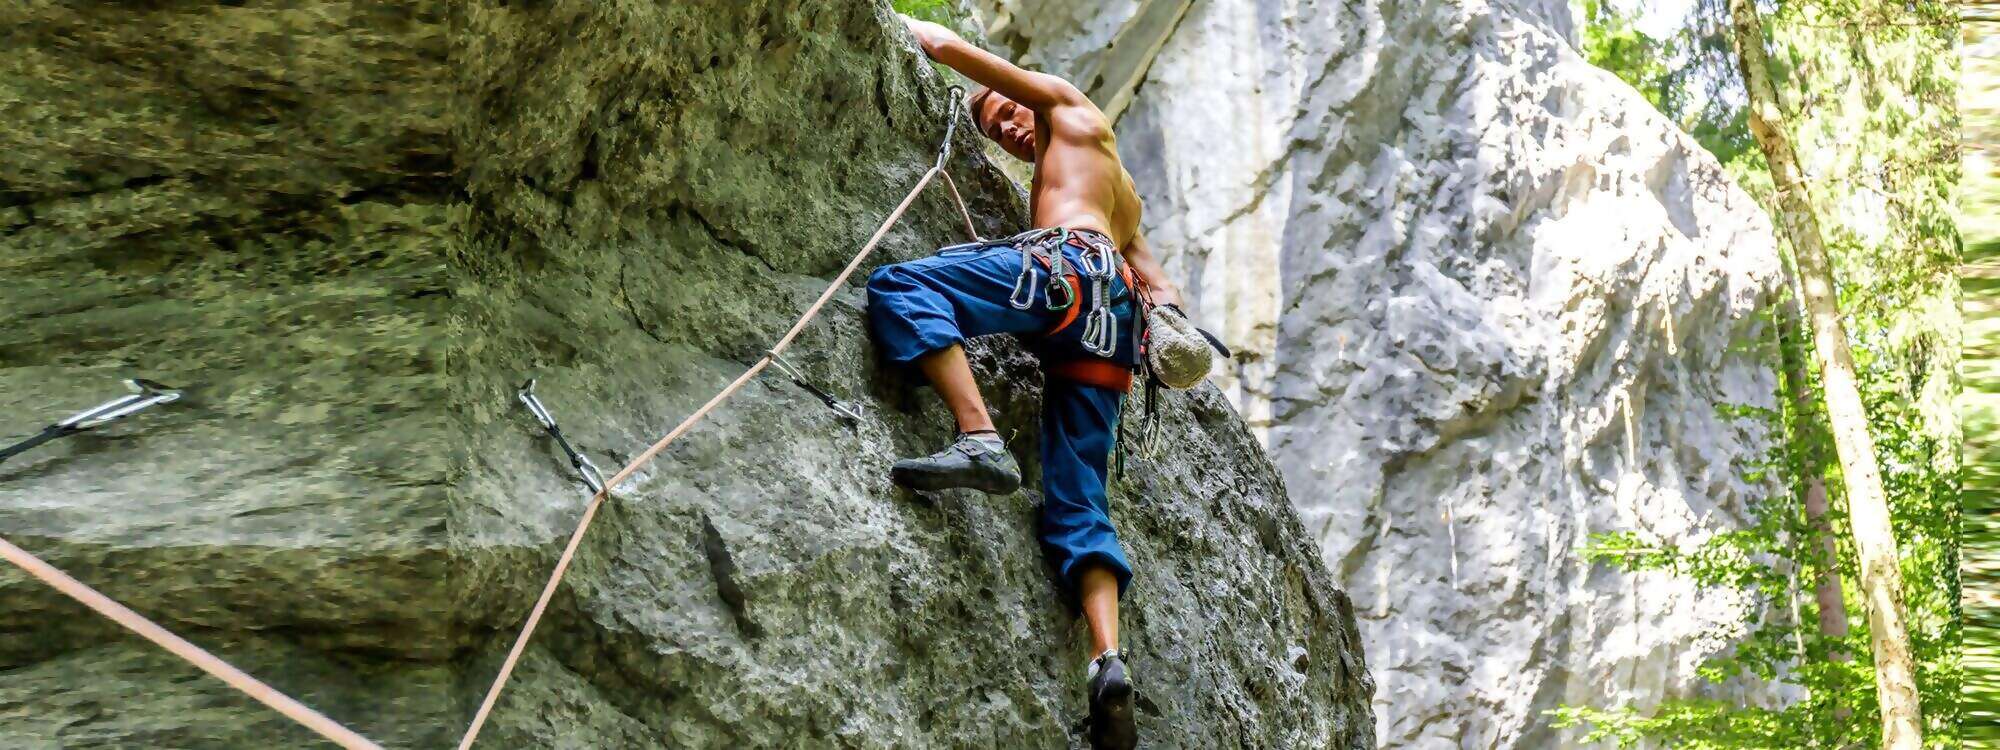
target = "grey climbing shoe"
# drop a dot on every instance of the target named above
(1112, 726)
(972, 461)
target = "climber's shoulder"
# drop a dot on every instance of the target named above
(1079, 120)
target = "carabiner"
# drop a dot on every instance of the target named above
(963, 247)
(1059, 287)
(1100, 332)
(1097, 262)
(1024, 285)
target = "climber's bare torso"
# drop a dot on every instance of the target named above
(1079, 182)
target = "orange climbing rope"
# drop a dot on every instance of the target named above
(347, 738)
(195, 655)
(590, 510)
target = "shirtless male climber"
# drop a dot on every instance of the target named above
(1064, 287)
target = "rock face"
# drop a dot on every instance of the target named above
(351, 230)
(1491, 303)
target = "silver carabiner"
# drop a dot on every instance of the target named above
(145, 393)
(963, 247)
(1024, 285)
(1100, 332)
(1097, 262)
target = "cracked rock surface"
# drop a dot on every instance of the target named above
(1489, 303)
(351, 229)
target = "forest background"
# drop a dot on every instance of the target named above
(1893, 111)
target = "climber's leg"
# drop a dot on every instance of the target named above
(978, 459)
(1079, 423)
(1097, 589)
(951, 375)
(927, 305)
(920, 312)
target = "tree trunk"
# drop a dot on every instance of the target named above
(1868, 508)
(1807, 436)
(1808, 441)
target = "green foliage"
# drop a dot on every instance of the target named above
(1611, 42)
(1870, 90)
(1773, 559)
(1691, 725)
(935, 11)
(949, 13)
(1980, 282)
(1689, 76)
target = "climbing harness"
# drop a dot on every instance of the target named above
(955, 96)
(145, 394)
(577, 460)
(1101, 264)
(847, 411)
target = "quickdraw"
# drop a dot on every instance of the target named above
(1037, 252)
(847, 411)
(591, 476)
(145, 394)
(1100, 327)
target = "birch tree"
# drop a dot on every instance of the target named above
(1868, 507)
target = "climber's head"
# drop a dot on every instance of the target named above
(1005, 121)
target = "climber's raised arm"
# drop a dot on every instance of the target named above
(1140, 257)
(1040, 92)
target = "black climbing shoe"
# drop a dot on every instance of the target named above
(971, 461)
(1111, 723)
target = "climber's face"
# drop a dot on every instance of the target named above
(1006, 122)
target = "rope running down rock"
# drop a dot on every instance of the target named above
(349, 739)
(590, 510)
(180, 647)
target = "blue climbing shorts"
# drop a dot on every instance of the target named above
(922, 306)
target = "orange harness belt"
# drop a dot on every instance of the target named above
(1096, 371)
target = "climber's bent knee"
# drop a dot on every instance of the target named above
(909, 317)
